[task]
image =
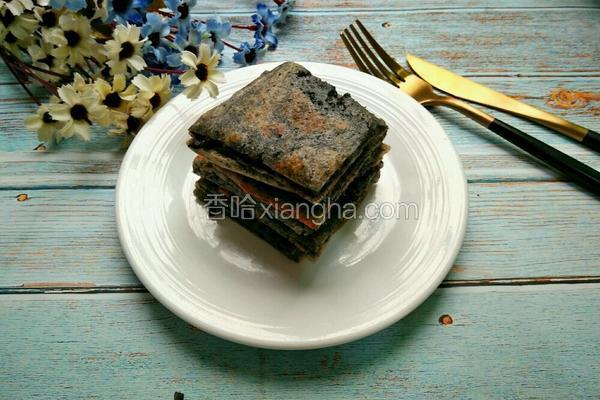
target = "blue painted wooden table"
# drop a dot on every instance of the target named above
(517, 316)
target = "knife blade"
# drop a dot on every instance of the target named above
(467, 89)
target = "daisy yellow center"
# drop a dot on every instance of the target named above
(120, 6)
(72, 37)
(112, 100)
(127, 50)
(79, 113)
(202, 72)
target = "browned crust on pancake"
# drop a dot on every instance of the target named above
(291, 123)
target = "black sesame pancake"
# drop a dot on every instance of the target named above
(309, 245)
(291, 126)
(288, 140)
(241, 185)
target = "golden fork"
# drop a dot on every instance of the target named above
(385, 67)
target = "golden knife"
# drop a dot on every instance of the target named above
(466, 89)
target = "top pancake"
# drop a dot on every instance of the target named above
(290, 125)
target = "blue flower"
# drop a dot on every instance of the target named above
(73, 5)
(155, 56)
(156, 29)
(189, 41)
(181, 13)
(214, 32)
(264, 20)
(249, 54)
(127, 10)
(282, 11)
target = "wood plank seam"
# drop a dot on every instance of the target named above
(39, 289)
(113, 187)
(406, 10)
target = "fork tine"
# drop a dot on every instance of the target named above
(370, 68)
(389, 74)
(352, 52)
(389, 60)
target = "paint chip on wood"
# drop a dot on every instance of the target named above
(22, 197)
(446, 319)
(40, 147)
(386, 25)
(567, 99)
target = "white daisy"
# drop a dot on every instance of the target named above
(116, 96)
(78, 111)
(43, 123)
(73, 39)
(125, 50)
(101, 7)
(41, 57)
(47, 18)
(202, 73)
(130, 122)
(16, 31)
(81, 86)
(155, 89)
(17, 6)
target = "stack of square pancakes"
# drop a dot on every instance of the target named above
(288, 158)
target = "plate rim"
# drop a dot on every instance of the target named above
(374, 325)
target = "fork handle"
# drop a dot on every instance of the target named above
(571, 168)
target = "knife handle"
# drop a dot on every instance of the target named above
(571, 168)
(592, 140)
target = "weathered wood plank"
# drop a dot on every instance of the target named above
(484, 155)
(63, 168)
(470, 40)
(239, 6)
(524, 229)
(128, 346)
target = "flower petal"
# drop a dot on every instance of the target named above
(189, 78)
(204, 54)
(136, 62)
(119, 83)
(142, 82)
(188, 58)
(33, 122)
(60, 112)
(82, 129)
(216, 76)
(211, 88)
(68, 95)
(192, 92)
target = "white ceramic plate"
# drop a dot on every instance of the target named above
(224, 280)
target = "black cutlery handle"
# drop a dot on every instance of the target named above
(592, 140)
(571, 168)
